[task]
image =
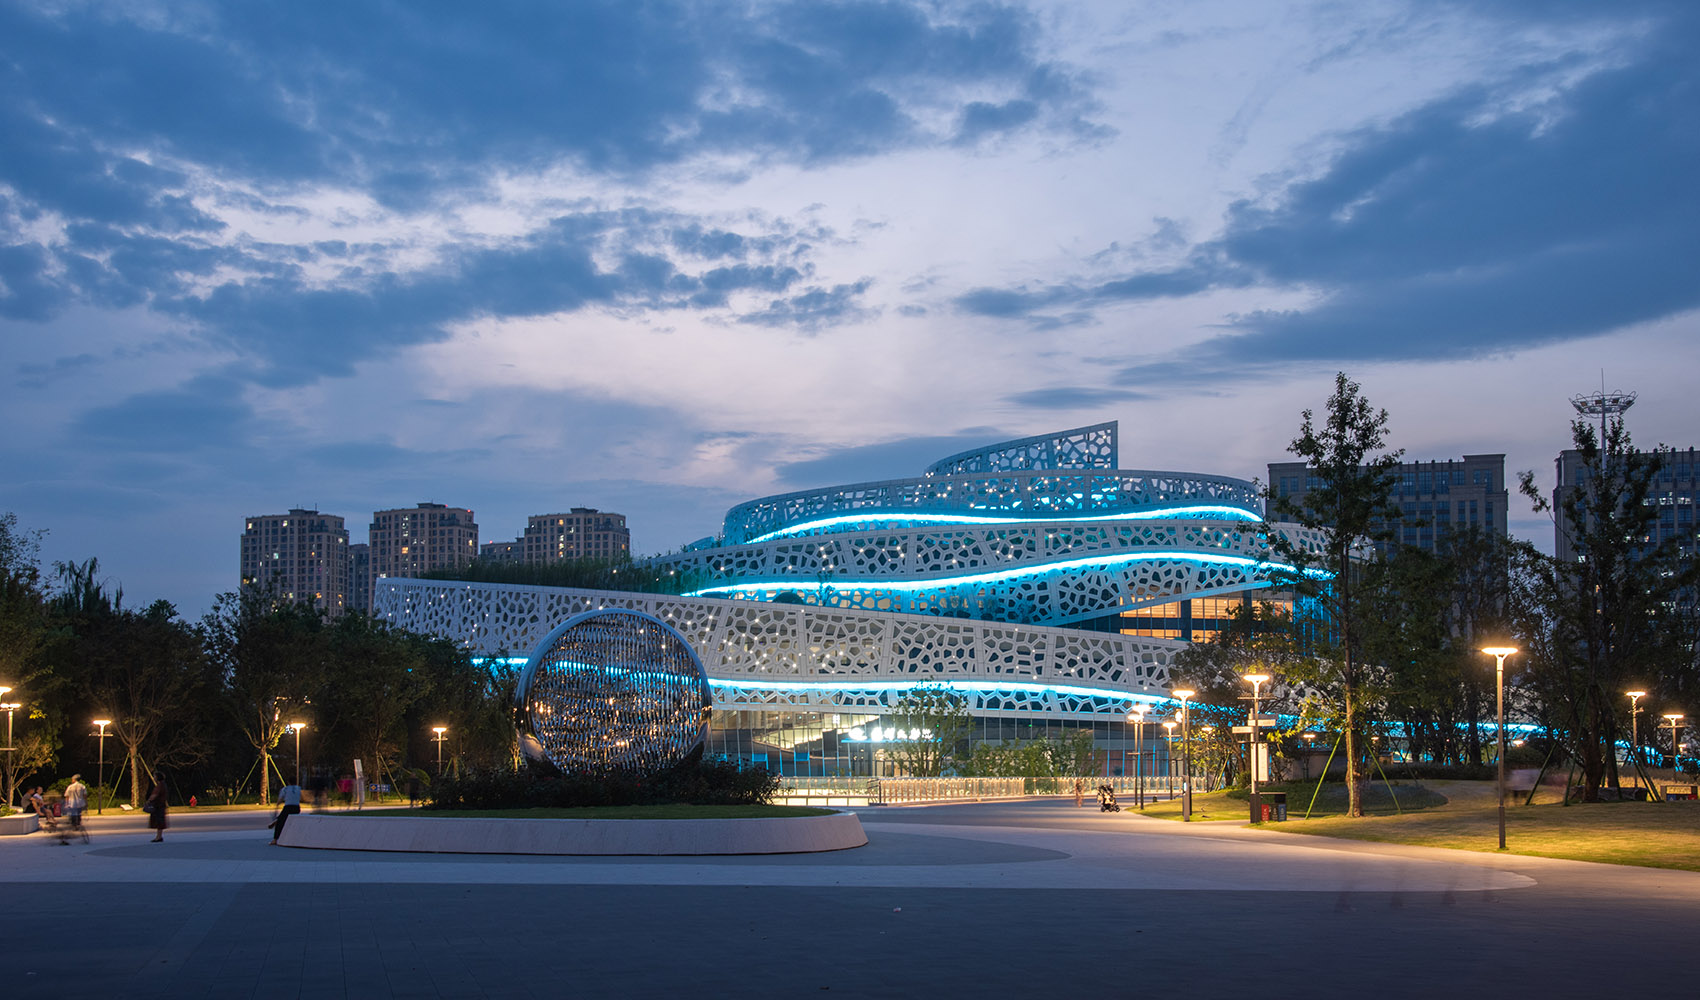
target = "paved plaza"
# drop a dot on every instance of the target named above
(1032, 899)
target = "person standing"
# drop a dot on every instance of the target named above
(156, 807)
(291, 799)
(77, 800)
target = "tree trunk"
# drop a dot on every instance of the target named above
(265, 777)
(135, 778)
(1354, 783)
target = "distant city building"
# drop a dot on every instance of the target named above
(581, 533)
(410, 541)
(1675, 490)
(1435, 497)
(360, 577)
(503, 552)
(303, 553)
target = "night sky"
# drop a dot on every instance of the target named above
(660, 258)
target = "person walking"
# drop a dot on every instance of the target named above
(290, 798)
(77, 800)
(156, 807)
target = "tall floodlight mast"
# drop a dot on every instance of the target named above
(1603, 404)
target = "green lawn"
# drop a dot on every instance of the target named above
(1235, 805)
(608, 812)
(1652, 835)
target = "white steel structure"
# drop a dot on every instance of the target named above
(816, 611)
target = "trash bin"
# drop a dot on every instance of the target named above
(1274, 806)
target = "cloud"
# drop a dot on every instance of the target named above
(1483, 222)
(206, 413)
(813, 308)
(901, 459)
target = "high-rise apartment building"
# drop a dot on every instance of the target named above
(581, 533)
(502, 552)
(303, 553)
(1435, 497)
(360, 578)
(409, 541)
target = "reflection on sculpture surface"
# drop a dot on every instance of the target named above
(613, 690)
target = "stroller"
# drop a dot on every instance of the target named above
(1107, 800)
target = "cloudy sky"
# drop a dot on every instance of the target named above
(664, 257)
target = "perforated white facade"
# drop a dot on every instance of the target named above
(792, 657)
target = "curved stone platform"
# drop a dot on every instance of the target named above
(469, 835)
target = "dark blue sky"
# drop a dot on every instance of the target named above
(663, 257)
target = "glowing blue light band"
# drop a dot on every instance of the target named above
(1197, 512)
(1011, 574)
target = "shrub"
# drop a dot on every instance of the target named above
(693, 782)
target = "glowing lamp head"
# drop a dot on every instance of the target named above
(1673, 716)
(1499, 650)
(298, 726)
(10, 706)
(1170, 726)
(1257, 678)
(103, 723)
(439, 730)
(1136, 716)
(1636, 694)
(1183, 693)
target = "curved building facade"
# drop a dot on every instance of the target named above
(1006, 573)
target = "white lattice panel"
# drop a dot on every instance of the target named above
(773, 645)
(1042, 572)
(1043, 494)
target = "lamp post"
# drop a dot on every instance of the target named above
(1137, 717)
(1675, 762)
(1256, 681)
(298, 726)
(441, 732)
(1169, 761)
(101, 777)
(1186, 752)
(1499, 653)
(1635, 731)
(10, 707)
(1310, 745)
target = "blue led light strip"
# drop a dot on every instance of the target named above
(1200, 511)
(1011, 574)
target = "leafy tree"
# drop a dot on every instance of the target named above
(1348, 507)
(271, 656)
(377, 676)
(1620, 613)
(146, 670)
(938, 720)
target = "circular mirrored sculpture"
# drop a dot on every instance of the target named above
(613, 690)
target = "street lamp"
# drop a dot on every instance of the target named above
(1499, 653)
(1256, 681)
(102, 723)
(1186, 752)
(1635, 731)
(1169, 761)
(10, 707)
(1310, 746)
(1675, 763)
(1137, 717)
(441, 732)
(298, 726)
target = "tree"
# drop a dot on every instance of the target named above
(271, 655)
(377, 675)
(148, 671)
(1347, 507)
(23, 635)
(935, 720)
(1620, 613)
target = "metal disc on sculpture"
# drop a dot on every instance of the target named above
(613, 690)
